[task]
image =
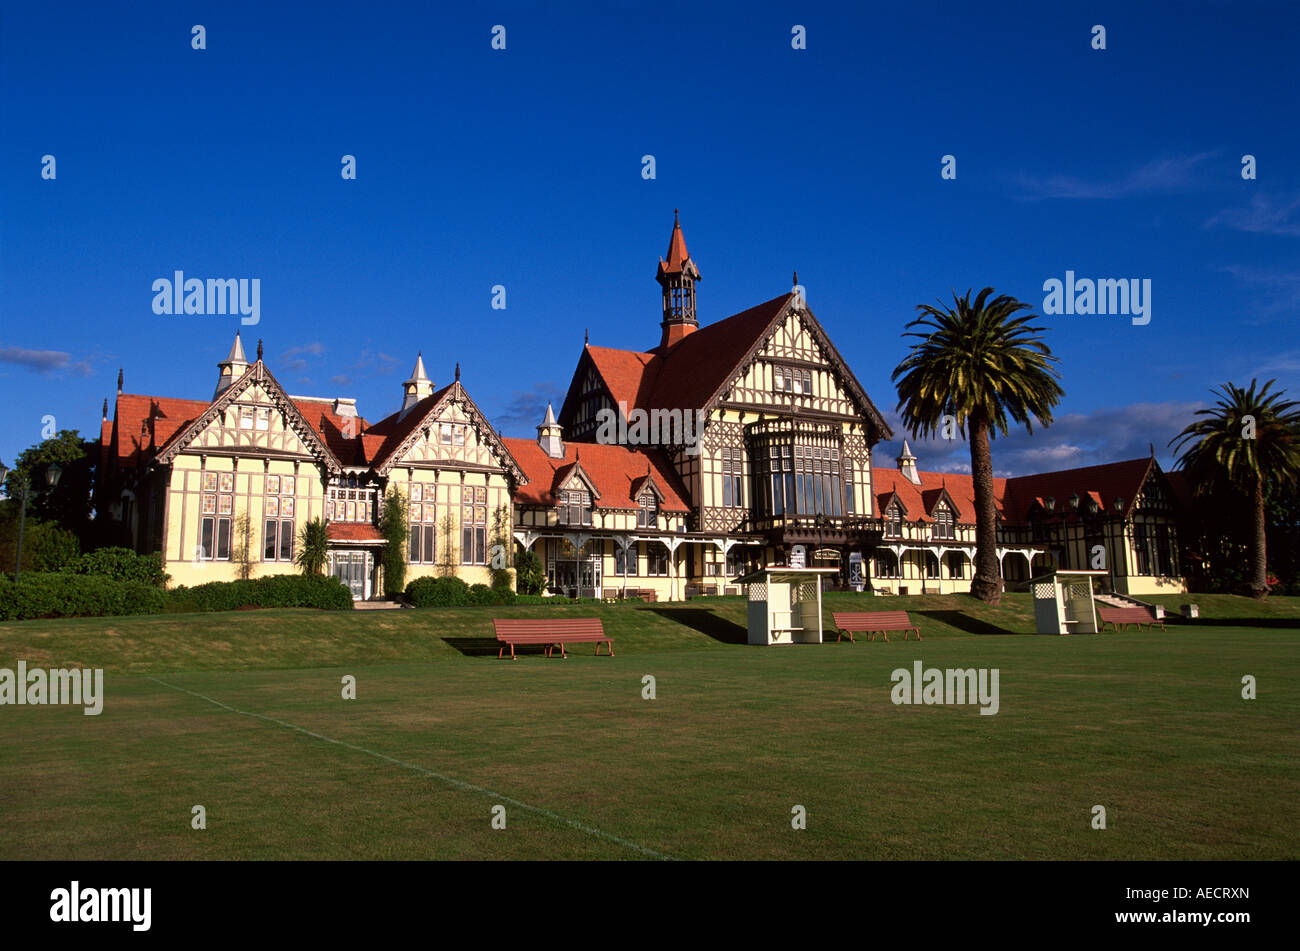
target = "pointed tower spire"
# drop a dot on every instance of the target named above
(677, 276)
(232, 368)
(907, 465)
(418, 387)
(549, 435)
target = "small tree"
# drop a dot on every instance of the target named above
(392, 525)
(313, 547)
(530, 573)
(241, 550)
(500, 556)
(447, 530)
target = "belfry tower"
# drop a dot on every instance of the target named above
(677, 277)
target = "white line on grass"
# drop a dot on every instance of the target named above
(451, 781)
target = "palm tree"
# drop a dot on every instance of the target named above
(977, 363)
(1246, 440)
(313, 547)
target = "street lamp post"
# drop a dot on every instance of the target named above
(52, 473)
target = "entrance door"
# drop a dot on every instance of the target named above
(350, 568)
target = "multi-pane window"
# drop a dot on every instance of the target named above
(647, 515)
(626, 561)
(424, 524)
(893, 521)
(735, 562)
(575, 508)
(931, 565)
(278, 518)
(848, 493)
(732, 478)
(473, 526)
(956, 565)
(218, 505)
(451, 434)
(943, 522)
(804, 480)
(656, 558)
(348, 502)
(1142, 548)
(792, 380)
(886, 565)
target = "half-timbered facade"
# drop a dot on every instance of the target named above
(673, 470)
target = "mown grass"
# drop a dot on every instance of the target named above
(1151, 725)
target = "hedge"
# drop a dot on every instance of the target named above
(272, 591)
(121, 564)
(454, 593)
(40, 595)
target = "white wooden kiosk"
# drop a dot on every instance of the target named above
(1063, 602)
(785, 604)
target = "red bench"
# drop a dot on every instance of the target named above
(1119, 617)
(550, 633)
(871, 623)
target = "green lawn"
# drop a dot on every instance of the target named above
(1151, 725)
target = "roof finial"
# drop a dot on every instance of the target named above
(586, 339)
(796, 278)
(259, 349)
(457, 371)
(119, 381)
(674, 216)
(105, 407)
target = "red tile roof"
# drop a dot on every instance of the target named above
(1016, 496)
(334, 428)
(919, 500)
(689, 373)
(147, 423)
(1112, 480)
(615, 470)
(352, 532)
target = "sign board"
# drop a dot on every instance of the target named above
(855, 570)
(798, 557)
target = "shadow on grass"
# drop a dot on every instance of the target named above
(964, 622)
(483, 646)
(707, 623)
(1175, 621)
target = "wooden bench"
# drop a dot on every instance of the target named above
(550, 633)
(871, 623)
(1119, 617)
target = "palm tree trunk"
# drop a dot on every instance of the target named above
(987, 583)
(1259, 550)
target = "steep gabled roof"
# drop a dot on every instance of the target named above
(400, 431)
(956, 487)
(692, 373)
(260, 375)
(1111, 481)
(615, 471)
(143, 424)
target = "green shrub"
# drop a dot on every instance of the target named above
(121, 564)
(271, 591)
(439, 592)
(39, 595)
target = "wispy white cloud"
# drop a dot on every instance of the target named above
(525, 408)
(45, 361)
(1160, 175)
(1265, 214)
(1110, 434)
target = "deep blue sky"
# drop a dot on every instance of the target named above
(522, 168)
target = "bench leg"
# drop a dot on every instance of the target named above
(512, 651)
(563, 654)
(885, 635)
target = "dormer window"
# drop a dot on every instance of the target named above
(575, 508)
(894, 521)
(943, 522)
(647, 515)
